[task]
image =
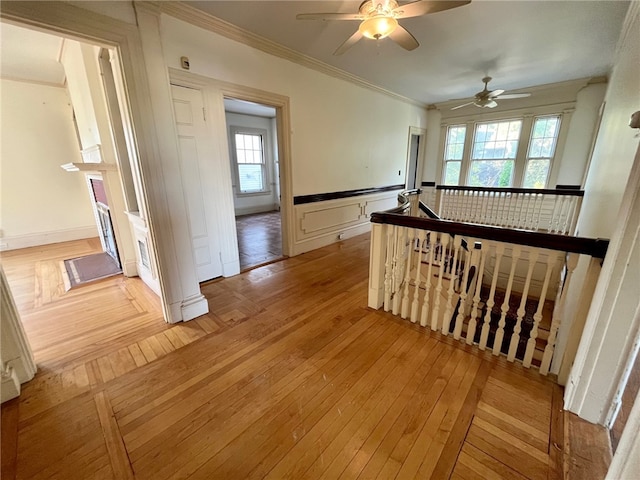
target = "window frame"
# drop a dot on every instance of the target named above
(264, 134)
(553, 151)
(521, 159)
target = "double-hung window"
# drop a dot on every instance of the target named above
(542, 147)
(249, 154)
(501, 153)
(495, 146)
(453, 153)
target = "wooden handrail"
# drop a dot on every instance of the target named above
(596, 247)
(538, 191)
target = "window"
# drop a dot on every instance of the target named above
(250, 161)
(502, 153)
(495, 146)
(542, 146)
(454, 149)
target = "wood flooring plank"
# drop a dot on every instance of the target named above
(244, 415)
(474, 463)
(517, 455)
(9, 437)
(137, 355)
(442, 466)
(298, 412)
(556, 435)
(115, 446)
(303, 381)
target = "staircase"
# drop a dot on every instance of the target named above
(500, 289)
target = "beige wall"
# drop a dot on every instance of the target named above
(343, 136)
(41, 203)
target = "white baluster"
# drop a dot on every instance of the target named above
(537, 317)
(398, 268)
(515, 339)
(554, 213)
(471, 330)
(497, 343)
(539, 203)
(388, 267)
(416, 293)
(444, 241)
(432, 241)
(468, 259)
(446, 321)
(485, 205)
(558, 312)
(484, 333)
(404, 311)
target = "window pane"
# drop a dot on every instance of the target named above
(543, 137)
(497, 140)
(250, 177)
(451, 173)
(536, 174)
(239, 141)
(491, 173)
(455, 142)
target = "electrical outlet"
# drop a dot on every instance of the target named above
(341, 236)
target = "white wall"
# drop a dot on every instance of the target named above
(254, 203)
(584, 120)
(41, 203)
(344, 136)
(610, 211)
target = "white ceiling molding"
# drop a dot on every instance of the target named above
(203, 20)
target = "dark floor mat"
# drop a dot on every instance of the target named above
(87, 269)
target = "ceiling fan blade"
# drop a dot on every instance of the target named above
(514, 95)
(424, 7)
(348, 43)
(329, 16)
(403, 38)
(463, 105)
(495, 93)
(491, 104)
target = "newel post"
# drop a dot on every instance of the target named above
(377, 260)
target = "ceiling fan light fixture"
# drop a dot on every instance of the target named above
(378, 27)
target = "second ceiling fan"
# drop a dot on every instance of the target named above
(379, 19)
(487, 98)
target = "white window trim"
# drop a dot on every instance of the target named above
(563, 110)
(266, 153)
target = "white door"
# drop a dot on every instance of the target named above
(196, 158)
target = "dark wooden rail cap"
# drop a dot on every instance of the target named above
(568, 192)
(595, 247)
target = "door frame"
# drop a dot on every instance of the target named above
(73, 22)
(214, 91)
(421, 133)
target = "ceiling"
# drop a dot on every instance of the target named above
(30, 55)
(519, 43)
(248, 108)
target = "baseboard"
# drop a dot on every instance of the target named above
(194, 307)
(45, 238)
(251, 210)
(10, 387)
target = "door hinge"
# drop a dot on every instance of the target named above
(204, 114)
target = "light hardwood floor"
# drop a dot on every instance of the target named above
(289, 376)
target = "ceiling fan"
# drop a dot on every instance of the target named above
(487, 98)
(379, 19)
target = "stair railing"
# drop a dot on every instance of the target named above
(495, 295)
(548, 210)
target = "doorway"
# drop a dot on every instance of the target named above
(255, 178)
(414, 158)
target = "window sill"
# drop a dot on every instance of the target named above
(253, 194)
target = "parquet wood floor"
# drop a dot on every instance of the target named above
(259, 238)
(289, 376)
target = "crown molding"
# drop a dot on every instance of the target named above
(216, 25)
